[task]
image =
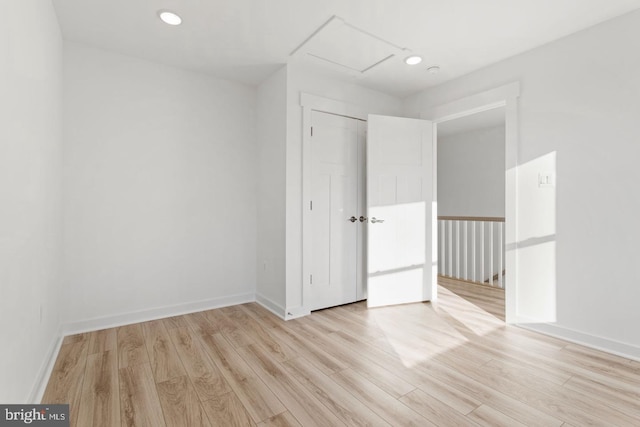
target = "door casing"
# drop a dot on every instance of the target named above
(504, 96)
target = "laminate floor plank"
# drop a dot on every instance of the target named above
(73, 339)
(103, 340)
(386, 406)
(199, 324)
(260, 336)
(163, 356)
(174, 322)
(623, 397)
(313, 353)
(555, 400)
(65, 382)
(342, 403)
(347, 323)
(495, 397)
(139, 402)
(180, 403)
(261, 314)
(100, 403)
(131, 347)
(229, 329)
(302, 404)
(227, 410)
(284, 419)
(456, 399)
(489, 417)
(359, 359)
(260, 402)
(434, 410)
(206, 377)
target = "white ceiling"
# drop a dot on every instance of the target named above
(246, 40)
(486, 119)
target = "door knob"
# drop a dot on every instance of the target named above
(353, 219)
(363, 218)
(374, 220)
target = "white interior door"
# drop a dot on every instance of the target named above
(401, 260)
(337, 202)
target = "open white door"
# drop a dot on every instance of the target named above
(400, 264)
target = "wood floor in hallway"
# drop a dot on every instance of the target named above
(450, 363)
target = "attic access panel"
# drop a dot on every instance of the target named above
(343, 45)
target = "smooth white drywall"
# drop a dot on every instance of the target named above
(30, 194)
(159, 186)
(271, 126)
(302, 79)
(471, 173)
(579, 107)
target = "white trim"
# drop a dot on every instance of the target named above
(592, 341)
(331, 106)
(40, 384)
(105, 322)
(270, 305)
(311, 103)
(503, 96)
(294, 313)
(477, 103)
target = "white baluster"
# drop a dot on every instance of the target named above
(465, 240)
(450, 225)
(491, 253)
(473, 250)
(457, 249)
(500, 260)
(481, 251)
(442, 239)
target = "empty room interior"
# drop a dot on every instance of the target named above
(299, 213)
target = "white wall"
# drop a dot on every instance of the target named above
(579, 107)
(160, 188)
(30, 194)
(301, 79)
(271, 125)
(471, 173)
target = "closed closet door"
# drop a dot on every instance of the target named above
(337, 202)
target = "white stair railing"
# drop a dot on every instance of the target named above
(472, 249)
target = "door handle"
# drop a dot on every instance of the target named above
(374, 220)
(363, 218)
(353, 219)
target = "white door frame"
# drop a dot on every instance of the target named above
(311, 103)
(503, 96)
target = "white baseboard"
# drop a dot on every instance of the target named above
(37, 391)
(295, 312)
(599, 343)
(153, 314)
(270, 305)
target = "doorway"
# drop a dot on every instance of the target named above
(506, 96)
(471, 208)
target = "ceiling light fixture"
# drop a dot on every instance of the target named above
(169, 17)
(433, 70)
(413, 60)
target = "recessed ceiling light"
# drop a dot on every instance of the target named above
(169, 17)
(413, 60)
(433, 70)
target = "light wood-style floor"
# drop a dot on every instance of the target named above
(449, 364)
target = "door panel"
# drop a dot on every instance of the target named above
(334, 195)
(399, 204)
